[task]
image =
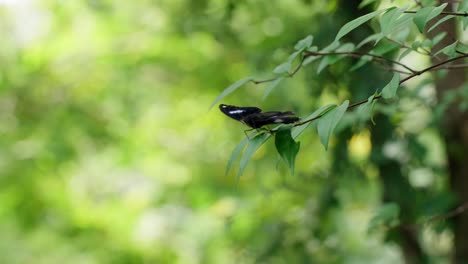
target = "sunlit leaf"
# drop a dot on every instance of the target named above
(326, 124)
(231, 88)
(390, 89)
(287, 147)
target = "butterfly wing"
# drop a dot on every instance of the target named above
(258, 120)
(237, 112)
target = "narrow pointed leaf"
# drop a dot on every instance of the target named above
(296, 131)
(390, 89)
(231, 88)
(236, 153)
(272, 86)
(326, 125)
(450, 50)
(425, 14)
(304, 43)
(348, 27)
(442, 20)
(253, 145)
(282, 68)
(287, 147)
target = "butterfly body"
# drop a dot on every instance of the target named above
(255, 118)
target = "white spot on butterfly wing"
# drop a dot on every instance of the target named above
(238, 111)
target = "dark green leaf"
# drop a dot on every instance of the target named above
(390, 89)
(326, 124)
(253, 145)
(386, 217)
(287, 147)
(296, 131)
(348, 27)
(272, 86)
(231, 89)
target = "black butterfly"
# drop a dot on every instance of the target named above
(255, 118)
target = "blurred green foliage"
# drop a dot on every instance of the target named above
(108, 153)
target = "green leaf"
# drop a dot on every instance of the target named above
(282, 68)
(385, 217)
(348, 27)
(331, 59)
(293, 56)
(272, 86)
(385, 47)
(438, 38)
(304, 43)
(368, 39)
(450, 50)
(231, 89)
(296, 131)
(310, 58)
(364, 111)
(389, 18)
(287, 147)
(425, 14)
(390, 89)
(326, 125)
(252, 147)
(393, 20)
(236, 153)
(362, 61)
(442, 20)
(463, 8)
(405, 53)
(365, 3)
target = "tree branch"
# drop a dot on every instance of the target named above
(436, 66)
(442, 13)
(359, 54)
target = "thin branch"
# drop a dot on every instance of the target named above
(442, 13)
(358, 54)
(290, 74)
(457, 66)
(416, 73)
(442, 217)
(433, 67)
